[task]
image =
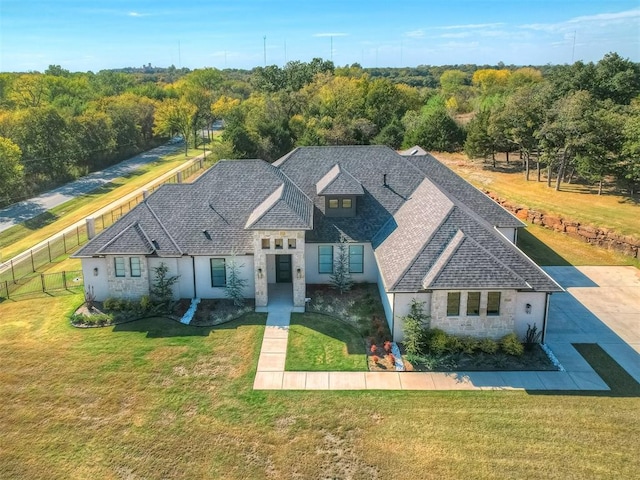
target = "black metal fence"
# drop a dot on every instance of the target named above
(41, 283)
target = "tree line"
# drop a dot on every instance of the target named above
(568, 120)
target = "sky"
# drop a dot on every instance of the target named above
(91, 35)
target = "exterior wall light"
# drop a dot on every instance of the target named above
(259, 273)
(95, 272)
(299, 273)
(527, 308)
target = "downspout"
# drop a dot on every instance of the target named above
(193, 264)
(546, 314)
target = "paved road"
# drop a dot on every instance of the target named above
(28, 209)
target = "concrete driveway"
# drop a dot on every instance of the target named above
(602, 305)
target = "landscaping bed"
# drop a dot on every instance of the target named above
(212, 312)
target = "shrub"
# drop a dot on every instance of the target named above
(392, 359)
(437, 341)
(374, 348)
(387, 346)
(511, 345)
(469, 345)
(145, 303)
(488, 345)
(375, 359)
(532, 336)
(415, 329)
(78, 319)
(454, 344)
(112, 304)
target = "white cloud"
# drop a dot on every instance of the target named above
(330, 34)
(137, 14)
(415, 34)
(599, 20)
(471, 26)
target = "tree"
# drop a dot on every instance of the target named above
(341, 277)
(629, 168)
(234, 289)
(162, 288)
(478, 142)
(10, 170)
(435, 129)
(415, 328)
(176, 117)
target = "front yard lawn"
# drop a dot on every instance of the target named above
(158, 399)
(321, 343)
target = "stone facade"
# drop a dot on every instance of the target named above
(482, 325)
(297, 263)
(127, 286)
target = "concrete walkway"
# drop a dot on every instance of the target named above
(569, 322)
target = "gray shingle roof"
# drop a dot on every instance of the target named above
(208, 217)
(429, 228)
(338, 181)
(464, 192)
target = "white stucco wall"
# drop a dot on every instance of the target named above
(509, 233)
(203, 276)
(185, 283)
(99, 282)
(386, 299)
(537, 300)
(370, 268)
(402, 306)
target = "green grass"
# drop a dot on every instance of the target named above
(157, 399)
(20, 238)
(321, 343)
(619, 381)
(575, 201)
(547, 247)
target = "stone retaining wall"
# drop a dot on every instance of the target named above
(602, 237)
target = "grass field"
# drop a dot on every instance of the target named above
(156, 399)
(574, 201)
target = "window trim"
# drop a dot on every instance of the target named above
(360, 254)
(320, 255)
(473, 313)
(450, 296)
(278, 244)
(139, 267)
(494, 313)
(337, 203)
(266, 244)
(342, 203)
(292, 243)
(115, 267)
(224, 266)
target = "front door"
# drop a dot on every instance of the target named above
(283, 268)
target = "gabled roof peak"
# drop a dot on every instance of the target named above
(338, 181)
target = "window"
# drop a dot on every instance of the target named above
(333, 203)
(493, 303)
(346, 203)
(356, 258)
(218, 272)
(473, 303)
(325, 259)
(119, 263)
(291, 243)
(134, 263)
(266, 244)
(278, 244)
(453, 304)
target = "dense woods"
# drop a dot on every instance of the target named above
(567, 122)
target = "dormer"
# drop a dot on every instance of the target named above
(340, 190)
